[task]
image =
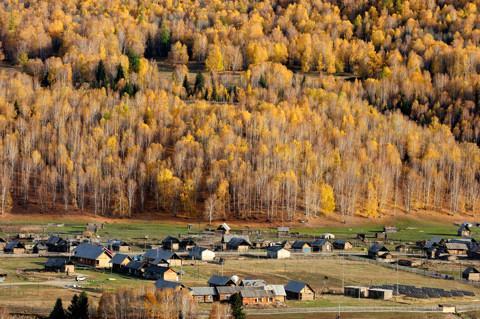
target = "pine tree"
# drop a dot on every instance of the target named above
(83, 306)
(199, 82)
(101, 75)
(58, 312)
(237, 307)
(120, 74)
(186, 85)
(72, 312)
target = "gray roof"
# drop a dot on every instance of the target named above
(456, 246)
(157, 270)
(275, 248)
(375, 248)
(469, 270)
(253, 283)
(256, 293)
(198, 249)
(203, 291)
(219, 280)
(296, 286)
(278, 290)
(237, 241)
(159, 255)
(228, 289)
(119, 258)
(320, 242)
(226, 238)
(164, 284)
(14, 244)
(298, 244)
(136, 265)
(56, 262)
(90, 251)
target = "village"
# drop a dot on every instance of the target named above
(212, 265)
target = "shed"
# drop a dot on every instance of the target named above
(447, 308)
(402, 248)
(14, 247)
(40, 248)
(201, 253)
(92, 255)
(409, 263)
(378, 293)
(298, 290)
(203, 294)
(471, 274)
(277, 252)
(378, 251)
(58, 245)
(120, 246)
(321, 245)
(58, 264)
(390, 229)
(356, 291)
(342, 244)
(171, 243)
(302, 246)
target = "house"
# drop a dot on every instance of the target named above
(302, 246)
(464, 230)
(225, 292)
(355, 291)
(154, 272)
(216, 281)
(187, 243)
(92, 255)
(136, 268)
(161, 257)
(278, 292)
(14, 247)
(277, 252)
(253, 283)
(283, 231)
(171, 243)
(119, 246)
(342, 244)
(382, 294)
(120, 261)
(252, 296)
(454, 248)
(224, 228)
(297, 290)
(471, 274)
(58, 245)
(201, 253)
(378, 251)
(40, 248)
(239, 244)
(321, 245)
(59, 265)
(204, 294)
(164, 284)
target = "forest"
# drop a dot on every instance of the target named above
(263, 110)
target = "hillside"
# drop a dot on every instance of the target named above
(262, 111)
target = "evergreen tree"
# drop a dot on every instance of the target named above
(101, 75)
(199, 82)
(133, 61)
(72, 312)
(165, 42)
(120, 74)
(150, 48)
(78, 308)
(237, 307)
(58, 312)
(186, 85)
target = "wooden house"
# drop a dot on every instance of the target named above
(187, 244)
(297, 290)
(378, 251)
(302, 246)
(119, 246)
(58, 245)
(120, 261)
(342, 244)
(277, 252)
(161, 257)
(224, 293)
(402, 248)
(321, 245)
(382, 294)
(286, 244)
(154, 272)
(471, 274)
(201, 253)
(58, 264)
(456, 249)
(239, 244)
(204, 294)
(171, 243)
(15, 247)
(217, 281)
(278, 291)
(136, 268)
(95, 256)
(165, 285)
(252, 296)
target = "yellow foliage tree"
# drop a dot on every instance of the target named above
(327, 199)
(214, 61)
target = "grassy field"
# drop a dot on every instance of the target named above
(356, 316)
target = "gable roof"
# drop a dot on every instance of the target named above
(235, 242)
(298, 244)
(14, 244)
(165, 284)
(320, 242)
(228, 289)
(375, 248)
(203, 291)
(119, 258)
(90, 251)
(224, 226)
(470, 270)
(256, 293)
(136, 265)
(296, 286)
(56, 262)
(278, 290)
(275, 248)
(198, 250)
(158, 255)
(253, 283)
(220, 280)
(227, 237)
(158, 270)
(456, 246)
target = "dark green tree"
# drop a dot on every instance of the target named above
(120, 74)
(186, 85)
(133, 61)
(263, 82)
(78, 308)
(165, 41)
(58, 312)
(101, 75)
(199, 82)
(237, 307)
(72, 311)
